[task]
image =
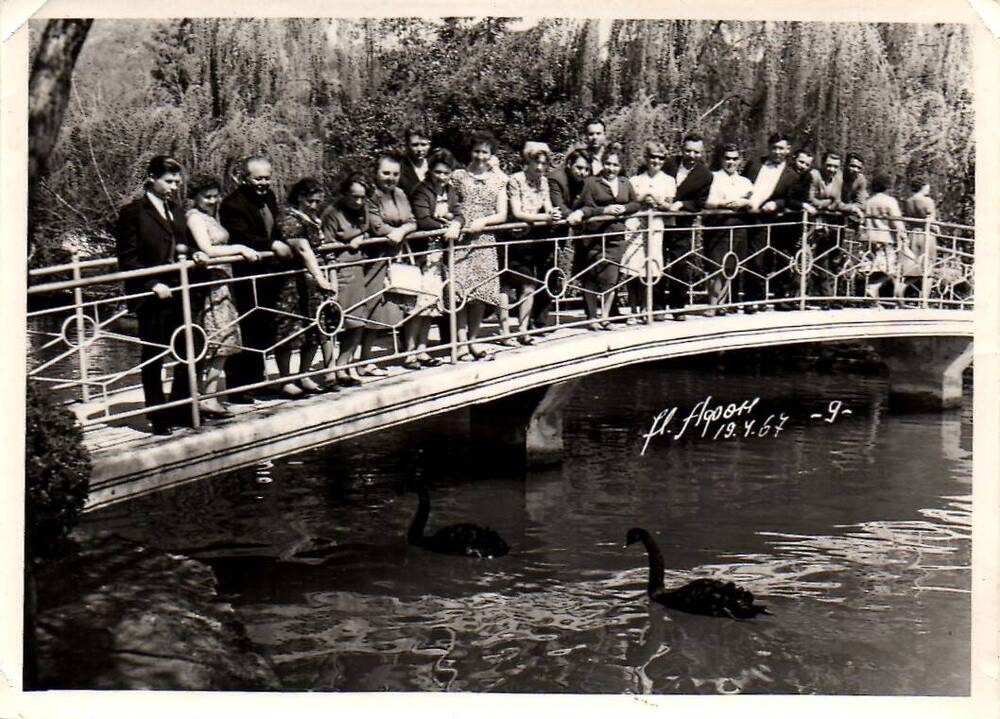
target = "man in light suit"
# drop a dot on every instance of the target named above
(147, 233)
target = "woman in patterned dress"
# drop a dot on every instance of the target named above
(655, 190)
(346, 223)
(531, 201)
(218, 316)
(483, 203)
(300, 298)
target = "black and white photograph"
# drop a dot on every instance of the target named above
(504, 353)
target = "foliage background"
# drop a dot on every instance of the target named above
(321, 96)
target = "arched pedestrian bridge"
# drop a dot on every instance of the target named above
(517, 394)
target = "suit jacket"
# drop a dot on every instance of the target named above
(597, 195)
(240, 214)
(693, 191)
(561, 194)
(144, 238)
(408, 179)
(791, 190)
(423, 201)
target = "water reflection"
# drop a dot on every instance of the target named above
(855, 534)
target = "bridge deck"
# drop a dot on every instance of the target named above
(129, 462)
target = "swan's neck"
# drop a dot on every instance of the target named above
(416, 533)
(655, 564)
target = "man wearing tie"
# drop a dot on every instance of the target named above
(147, 233)
(250, 214)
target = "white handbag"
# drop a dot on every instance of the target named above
(403, 277)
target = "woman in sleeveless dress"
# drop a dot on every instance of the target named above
(483, 202)
(218, 316)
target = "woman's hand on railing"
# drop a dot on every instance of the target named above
(575, 217)
(555, 214)
(281, 250)
(676, 206)
(247, 253)
(475, 227)
(324, 284)
(358, 241)
(200, 258)
(615, 210)
(161, 291)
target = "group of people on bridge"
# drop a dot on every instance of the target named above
(265, 272)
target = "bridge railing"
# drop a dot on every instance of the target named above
(85, 345)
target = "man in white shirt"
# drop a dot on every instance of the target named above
(725, 247)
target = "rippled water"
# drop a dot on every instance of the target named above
(855, 533)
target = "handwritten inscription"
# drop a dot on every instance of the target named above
(725, 421)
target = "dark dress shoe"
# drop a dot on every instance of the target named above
(161, 429)
(240, 398)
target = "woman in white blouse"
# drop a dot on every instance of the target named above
(655, 190)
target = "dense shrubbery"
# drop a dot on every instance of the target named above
(323, 95)
(57, 474)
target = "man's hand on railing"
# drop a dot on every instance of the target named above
(396, 236)
(161, 291)
(281, 250)
(453, 231)
(357, 242)
(769, 206)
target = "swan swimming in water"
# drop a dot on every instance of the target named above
(464, 540)
(710, 597)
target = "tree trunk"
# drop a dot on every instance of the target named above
(48, 94)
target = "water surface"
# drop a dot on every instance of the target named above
(855, 533)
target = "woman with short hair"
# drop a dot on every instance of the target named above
(392, 217)
(301, 298)
(346, 222)
(435, 203)
(531, 201)
(483, 202)
(217, 316)
(608, 194)
(655, 190)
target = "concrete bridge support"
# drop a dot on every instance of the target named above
(925, 372)
(527, 426)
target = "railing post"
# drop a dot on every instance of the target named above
(649, 267)
(80, 328)
(452, 313)
(803, 253)
(192, 370)
(925, 262)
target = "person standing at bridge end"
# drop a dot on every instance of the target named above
(147, 233)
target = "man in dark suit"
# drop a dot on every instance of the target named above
(694, 180)
(779, 186)
(147, 233)
(250, 214)
(414, 166)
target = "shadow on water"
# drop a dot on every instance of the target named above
(855, 533)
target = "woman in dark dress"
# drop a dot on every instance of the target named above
(345, 222)
(609, 194)
(300, 299)
(435, 204)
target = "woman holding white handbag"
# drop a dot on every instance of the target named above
(391, 217)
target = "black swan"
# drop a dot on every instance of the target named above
(710, 597)
(464, 540)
